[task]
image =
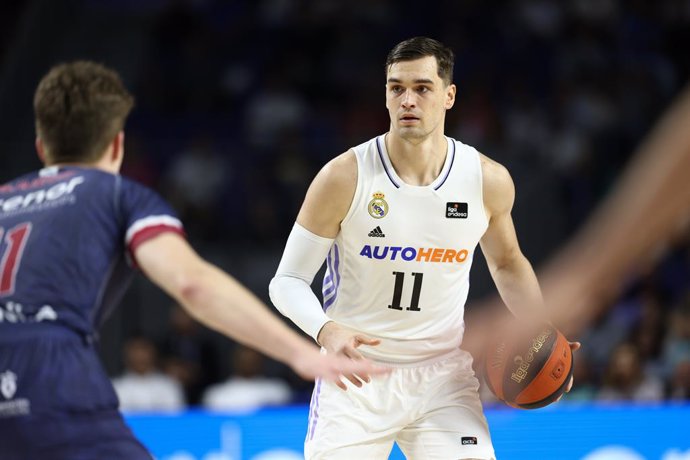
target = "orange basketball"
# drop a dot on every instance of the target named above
(529, 370)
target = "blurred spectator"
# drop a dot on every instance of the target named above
(525, 124)
(143, 387)
(247, 389)
(276, 109)
(196, 180)
(608, 331)
(626, 379)
(649, 332)
(585, 385)
(679, 387)
(677, 346)
(190, 354)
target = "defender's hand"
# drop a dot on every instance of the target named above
(342, 341)
(331, 367)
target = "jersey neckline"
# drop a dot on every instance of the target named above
(436, 184)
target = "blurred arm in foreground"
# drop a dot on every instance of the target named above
(646, 209)
(648, 206)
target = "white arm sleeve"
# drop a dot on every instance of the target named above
(290, 289)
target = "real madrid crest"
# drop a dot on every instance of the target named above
(8, 384)
(378, 207)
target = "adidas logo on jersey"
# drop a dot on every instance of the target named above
(377, 233)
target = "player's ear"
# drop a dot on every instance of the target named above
(386, 86)
(40, 150)
(116, 151)
(117, 147)
(451, 90)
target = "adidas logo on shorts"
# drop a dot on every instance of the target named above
(377, 233)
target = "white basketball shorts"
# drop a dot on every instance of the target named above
(431, 409)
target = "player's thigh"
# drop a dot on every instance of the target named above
(347, 438)
(359, 423)
(450, 433)
(438, 444)
(452, 422)
(378, 449)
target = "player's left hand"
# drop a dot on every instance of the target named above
(574, 346)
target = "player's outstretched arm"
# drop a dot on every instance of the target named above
(220, 302)
(305, 251)
(647, 205)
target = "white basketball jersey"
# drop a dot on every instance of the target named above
(399, 268)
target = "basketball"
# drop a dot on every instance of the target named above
(529, 370)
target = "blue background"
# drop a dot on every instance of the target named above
(562, 432)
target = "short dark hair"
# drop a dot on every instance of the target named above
(79, 107)
(419, 47)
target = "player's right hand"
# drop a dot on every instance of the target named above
(342, 341)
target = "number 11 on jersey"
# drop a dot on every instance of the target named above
(398, 288)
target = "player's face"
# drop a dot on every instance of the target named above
(417, 98)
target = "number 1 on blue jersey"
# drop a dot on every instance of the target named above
(11, 251)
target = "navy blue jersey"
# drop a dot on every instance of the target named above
(67, 236)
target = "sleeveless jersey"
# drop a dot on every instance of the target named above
(66, 236)
(399, 268)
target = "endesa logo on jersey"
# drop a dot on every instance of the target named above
(456, 210)
(410, 254)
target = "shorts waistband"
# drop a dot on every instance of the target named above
(456, 353)
(22, 331)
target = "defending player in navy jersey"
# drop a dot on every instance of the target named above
(71, 236)
(398, 219)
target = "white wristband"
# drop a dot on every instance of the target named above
(290, 289)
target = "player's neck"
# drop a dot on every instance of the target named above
(107, 167)
(417, 163)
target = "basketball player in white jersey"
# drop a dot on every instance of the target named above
(397, 219)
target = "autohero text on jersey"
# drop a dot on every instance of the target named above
(410, 254)
(55, 194)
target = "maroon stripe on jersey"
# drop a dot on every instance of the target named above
(147, 233)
